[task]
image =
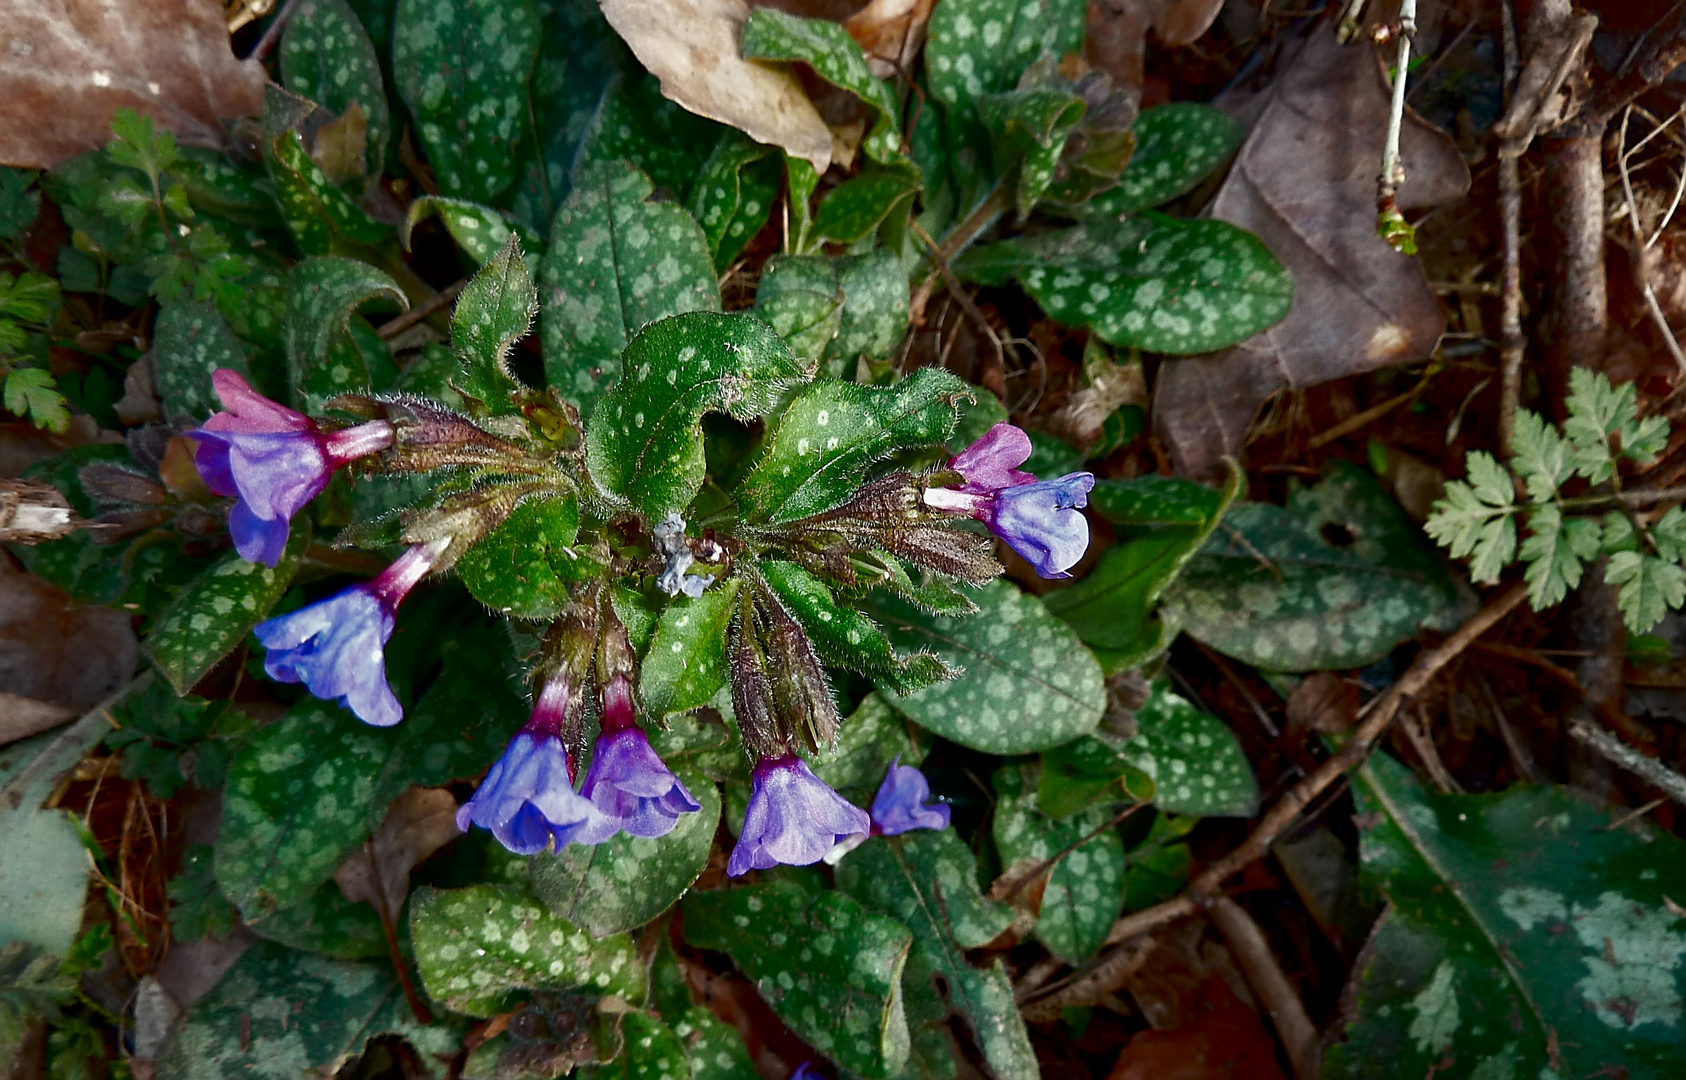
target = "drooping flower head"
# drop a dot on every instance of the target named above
(274, 459)
(335, 647)
(901, 803)
(528, 799)
(793, 818)
(631, 789)
(1038, 519)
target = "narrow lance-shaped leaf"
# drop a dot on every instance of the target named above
(826, 46)
(495, 310)
(479, 230)
(327, 56)
(322, 295)
(644, 444)
(686, 663)
(733, 195)
(1177, 145)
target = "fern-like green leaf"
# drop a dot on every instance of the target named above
(1650, 587)
(1539, 455)
(1598, 412)
(1474, 519)
(1555, 553)
(1669, 534)
(31, 392)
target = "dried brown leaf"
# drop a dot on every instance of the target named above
(57, 651)
(891, 32)
(1117, 33)
(419, 822)
(1305, 182)
(70, 64)
(692, 47)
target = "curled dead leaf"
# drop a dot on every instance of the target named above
(891, 33)
(71, 64)
(692, 47)
(419, 822)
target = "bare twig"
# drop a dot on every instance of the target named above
(1519, 755)
(1392, 224)
(1051, 861)
(1374, 412)
(1666, 51)
(1038, 974)
(1379, 714)
(1639, 268)
(1228, 672)
(1100, 979)
(1287, 1012)
(1511, 342)
(272, 32)
(966, 303)
(1634, 815)
(1614, 750)
(964, 234)
(1416, 731)
(391, 328)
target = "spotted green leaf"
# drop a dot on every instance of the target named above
(868, 742)
(843, 637)
(283, 1013)
(1155, 500)
(321, 217)
(493, 313)
(825, 46)
(327, 56)
(686, 663)
(1196, 765)
(853, 210)
(734, 194)
(1027, 683)
(524, 566)
(977, 47)
(1087, 770)
(636, 123)
(1085, 888)
(626, 881)
(829, 437)
(1028, 129)
(323, 293)
(214, 612)
(190, 339)
(325, 922)
(928, 880)
(800, 181)
(475, 944)
(654, 1051)
(800, 297)
(1166, 286)
(830, 968)
(1177, 145)
(616, 263)
(479, 230)
(1524, 937)
(462, 67)
(714, 1048)
(644, 444)
(1110, 607)
(1333, 580)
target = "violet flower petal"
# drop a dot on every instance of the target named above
(989, 464)
(248, 411)
(526, 799)
(277, 474)
(211, 458)
(1042, 523)
(900, 805)
(793, 818)
(632, 789)
(258, 540)
(335, 648)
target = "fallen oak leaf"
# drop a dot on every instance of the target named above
(71, 64)
(1304, 183)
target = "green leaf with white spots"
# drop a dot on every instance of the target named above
(1110, 607)
(215, 611)
(616, 263)
(1165, 286)
(875, 311)
(1028, 130)
(830, 436)
(462, 66)
(686, 663)
(1085, 889)
(654, 1051)
(769, 34)
(477, 944)
(479, 230)
(800, 182)
(734, 193)
(1177, 145)
(327, 56)
(714, 1048)
(644, 444)
(1087, 770)
(190, 339)
(635, 122)
(321, 217)
(872, 738)
(1196, 765)
(283, 1013)
(494, 312)
(326, 922)
(853, 210)
(977, 47)
(843, 637)
(929, 880)
(1155, 500)
(298, 797)
(1525, 937)
(626, 881)
(800, 297)
(1333, 580)
(1027, 683)
(829, 968)
(322, 295)
(523, 567)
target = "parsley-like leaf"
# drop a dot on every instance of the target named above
(1555, 553)
(30, 298)
(1539, 455)
(1669, 534)
(1650, 587)
(31, 392)
(1474, 519)
(138, 146)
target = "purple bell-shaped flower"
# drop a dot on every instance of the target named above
(1038, 519)
(631, 789)
(528, 799)
(793, 818)
(336, 647)
(274, 459)
(901, 803)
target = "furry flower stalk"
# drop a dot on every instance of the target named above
(1038, 519)
(335, 647)
(528, 799)
(628, 784)
(793, 818)
(274, 460)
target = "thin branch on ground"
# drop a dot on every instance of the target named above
(1104, 976)
(967, 231)
(1258, 964)
(1414, 723)
(438, 301)
(1623, 153)
(1392, 224)
(1666, 52)
(1375, 412)
(1619, 753)
(272, 32)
